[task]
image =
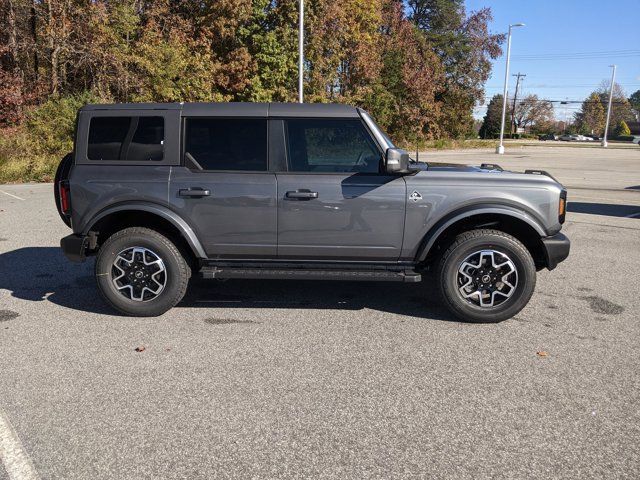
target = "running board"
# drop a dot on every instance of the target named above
(312, 274)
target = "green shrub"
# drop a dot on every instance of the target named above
(32, 152)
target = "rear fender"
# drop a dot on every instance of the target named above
(163, 212)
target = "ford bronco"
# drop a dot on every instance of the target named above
(295, 191)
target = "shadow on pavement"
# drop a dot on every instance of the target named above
(40, 274)
(606, 209)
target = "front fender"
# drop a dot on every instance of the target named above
(159, 210)
(454, 217)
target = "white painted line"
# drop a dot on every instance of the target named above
(634, 215)
(13, 456)
(11, 195)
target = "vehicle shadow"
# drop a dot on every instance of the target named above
(41, 274)
(606, 209)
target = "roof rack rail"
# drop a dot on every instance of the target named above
(491, 166)
(541, 172)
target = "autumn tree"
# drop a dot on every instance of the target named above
(531, 111)
(592, 115)
(465, 48)
(620, 106)
(418, 67)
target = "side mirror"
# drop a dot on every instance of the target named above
(396, 161)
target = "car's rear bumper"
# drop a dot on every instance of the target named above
(74, 247)
(556, 249)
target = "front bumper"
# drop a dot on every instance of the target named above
(74, 247)
(556, 249)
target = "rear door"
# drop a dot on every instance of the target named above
(224, 188)
(335, 202)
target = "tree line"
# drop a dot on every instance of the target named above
(537, 115)
(419, 66)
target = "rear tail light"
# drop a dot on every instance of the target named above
(562, 206)
(65, 197)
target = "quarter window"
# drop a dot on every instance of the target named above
(227, 144)
(126, 138)
(331, 146)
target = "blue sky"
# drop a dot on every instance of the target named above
(587, 27)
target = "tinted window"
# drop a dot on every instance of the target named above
(331, 146)
(227, 144)
(126, 138)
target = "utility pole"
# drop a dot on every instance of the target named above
(515, 96)
(301, 52)
(606, 125)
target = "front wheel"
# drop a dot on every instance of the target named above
(486, 276)
(141, 273)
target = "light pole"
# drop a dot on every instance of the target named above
(301, 51)
(606, 125)
(500, 149)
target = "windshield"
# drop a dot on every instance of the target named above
(378, 130)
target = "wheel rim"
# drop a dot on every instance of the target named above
(139, 274)
(487, 278)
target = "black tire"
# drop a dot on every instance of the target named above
(62, 173)
(177, 272)
(465, 245)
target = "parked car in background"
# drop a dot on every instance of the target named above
(568, 137)
(547, 136)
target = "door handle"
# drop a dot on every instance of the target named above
(301, 194)
(194, 192)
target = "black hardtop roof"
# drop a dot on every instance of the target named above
(238, 109)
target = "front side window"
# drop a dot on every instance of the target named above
(227, 144)
(126, 138)
(331, 146)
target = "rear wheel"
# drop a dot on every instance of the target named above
(486, 276)
(140, 272)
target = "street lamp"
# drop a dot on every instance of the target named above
(300, 50)
(606, 125)
(500, 149)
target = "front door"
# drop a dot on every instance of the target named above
(334, 203)
(224, 190)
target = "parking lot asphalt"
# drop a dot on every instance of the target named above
(284, 379)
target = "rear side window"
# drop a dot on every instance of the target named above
(331, 146)
(126, 138)
(227, 144)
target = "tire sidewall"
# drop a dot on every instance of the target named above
(174, 267)
(525, 268)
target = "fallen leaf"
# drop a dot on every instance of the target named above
(542, 353)
(140, 349)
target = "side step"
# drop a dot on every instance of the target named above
(312, 274)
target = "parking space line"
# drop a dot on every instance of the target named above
(634, 215)
(11, 195)
(13, 456)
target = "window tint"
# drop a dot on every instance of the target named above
(328, 145)
(126, 138)
(227, 144)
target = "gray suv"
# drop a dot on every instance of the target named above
(158, 192)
